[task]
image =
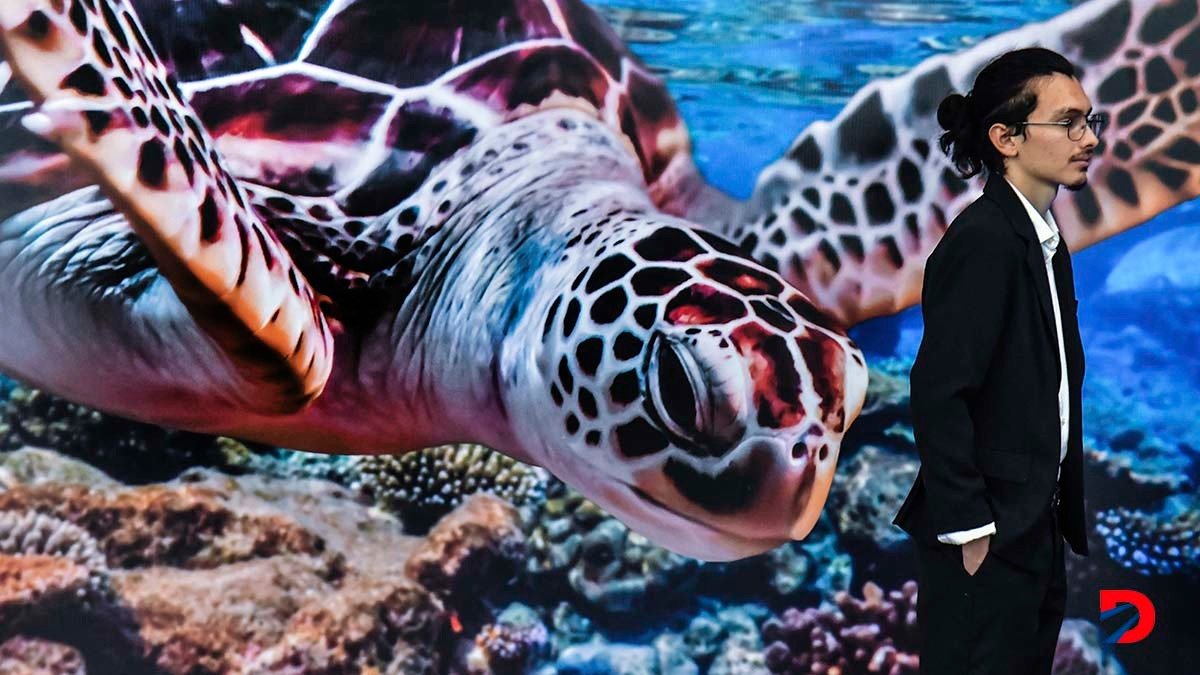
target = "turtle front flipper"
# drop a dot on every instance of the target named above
(108, 101)
(851, 211)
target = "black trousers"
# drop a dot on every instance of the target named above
(1003, 620)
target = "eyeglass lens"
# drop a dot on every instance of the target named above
(1096, 122)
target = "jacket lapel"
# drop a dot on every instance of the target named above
(1065, 282)
(999, 191)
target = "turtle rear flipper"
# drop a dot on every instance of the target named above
(108, 101)
(851, 211)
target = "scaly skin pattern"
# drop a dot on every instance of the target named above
(642, 359)
(851, 211)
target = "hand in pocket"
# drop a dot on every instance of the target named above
(973, 553)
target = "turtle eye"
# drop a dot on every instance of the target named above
(686, 395)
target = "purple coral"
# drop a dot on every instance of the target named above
(876, 635)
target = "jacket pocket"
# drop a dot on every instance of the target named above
(1003, 464)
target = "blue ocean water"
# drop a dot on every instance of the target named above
(750, 76)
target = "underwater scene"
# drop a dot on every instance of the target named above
(226, 542)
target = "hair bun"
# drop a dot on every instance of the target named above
(952, 112)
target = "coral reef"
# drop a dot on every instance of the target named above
(579, 552)
(606, 566)
(887, 388)
(739, 659)
(50, 569)
(569, 627)
(727, 640)
(420, 486)
(885, 417)
(35, 466)
(28, 582)
(423, 486)
(181, 526)
(476, 547)
(289, 464)
(512, 645)
(607, 659)
(129, 451)
(222, 574)
(672, 656)
(877, 634)
(1079, 651)
(664, 656)
(29, 533)
(1140, 400)
(717, 640)
(1166, 542)
(817, 565)
(365, 624)
(31, 656)
(1137, 470)
(869, 490)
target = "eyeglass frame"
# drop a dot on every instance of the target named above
(1099, 118)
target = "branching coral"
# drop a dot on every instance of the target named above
(877, 634)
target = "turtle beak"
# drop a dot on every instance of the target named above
(781, 496)
(794, 490)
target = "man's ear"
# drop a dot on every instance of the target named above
(1003, 139)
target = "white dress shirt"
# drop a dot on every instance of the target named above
(1048, 235)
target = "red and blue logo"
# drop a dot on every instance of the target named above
(1122, 601)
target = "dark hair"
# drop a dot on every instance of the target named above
(1003, 93)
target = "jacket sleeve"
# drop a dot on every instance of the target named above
(968, 282)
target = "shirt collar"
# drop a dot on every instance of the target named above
(1045, 226)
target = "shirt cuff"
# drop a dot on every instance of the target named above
(963, 536)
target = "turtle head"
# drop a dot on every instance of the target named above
(695, 395)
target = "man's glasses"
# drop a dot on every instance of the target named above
(1075, 124)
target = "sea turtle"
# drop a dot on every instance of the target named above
(365, 226)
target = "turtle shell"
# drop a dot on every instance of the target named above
(359, 100)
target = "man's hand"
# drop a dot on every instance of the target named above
(973, 553)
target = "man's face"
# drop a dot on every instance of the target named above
(1047, 152)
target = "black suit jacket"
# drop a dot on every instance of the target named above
(984, 386)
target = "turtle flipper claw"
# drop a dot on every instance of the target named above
(111, 104)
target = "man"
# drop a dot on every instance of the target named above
(995, 388)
